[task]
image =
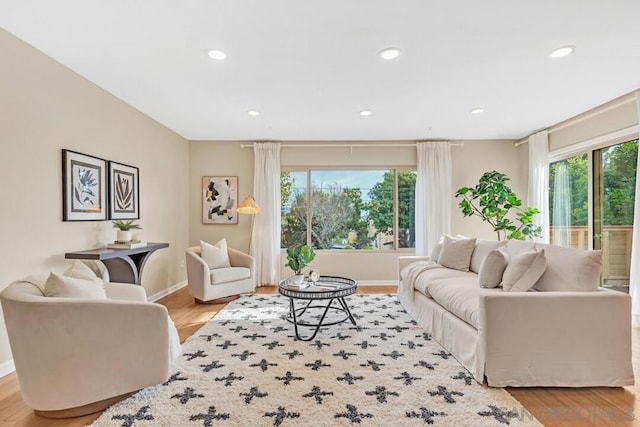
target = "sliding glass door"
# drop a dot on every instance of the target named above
(604, 221)
(614, 179)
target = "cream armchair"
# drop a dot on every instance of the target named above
(213, 285)
(77, 356)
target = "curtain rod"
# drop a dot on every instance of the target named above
(351, 146)
(580, 118)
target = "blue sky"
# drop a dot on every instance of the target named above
(363, 179)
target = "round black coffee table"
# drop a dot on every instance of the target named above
(327, 288)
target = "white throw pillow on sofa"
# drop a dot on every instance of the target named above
(456, 253)
(492, 268)
(215, 256)
(523, 271)
(480, 252)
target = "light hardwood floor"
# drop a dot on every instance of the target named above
(554, 407)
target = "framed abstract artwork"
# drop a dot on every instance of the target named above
(84, 187)
(124, 191)
(219, 199)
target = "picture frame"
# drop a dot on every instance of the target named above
(124, 191)
(84, 187)
(219, 199)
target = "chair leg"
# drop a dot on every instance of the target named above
(218, 300)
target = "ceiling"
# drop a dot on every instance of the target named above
(309, 67)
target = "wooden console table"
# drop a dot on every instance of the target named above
(123, 265)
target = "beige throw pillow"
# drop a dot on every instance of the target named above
(492, 268)
(215, 256)
(482, 249)
(435, 252)
(77, 282)
(523, 271)
(456, 254)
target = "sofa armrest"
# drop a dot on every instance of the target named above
(125, 292)
(403, 261)
(198, 275)
(556, 338)
(240, 259)
(110, 347)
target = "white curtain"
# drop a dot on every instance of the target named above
(433, 194)
(265, 246)
(539, 181)
(562, 206)
(634, 280)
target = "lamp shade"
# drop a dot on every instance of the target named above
(248, 206)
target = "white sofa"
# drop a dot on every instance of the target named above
(565, 332)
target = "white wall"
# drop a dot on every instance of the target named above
(227, 158)
(45, 107)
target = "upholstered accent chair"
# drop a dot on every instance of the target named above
(212, 285)
(76, 356)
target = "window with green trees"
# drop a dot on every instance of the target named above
(611, 174)
(348, 209)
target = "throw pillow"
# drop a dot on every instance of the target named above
(482, 249)
(456, 254)
(77, 282)
(435, 252)
(215, 256)
(523, 271)
(492, 268)
(80, 270)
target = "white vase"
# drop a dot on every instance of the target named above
(124, 236)
(297, 279)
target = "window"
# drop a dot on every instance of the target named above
(339, 209)
(605, 222)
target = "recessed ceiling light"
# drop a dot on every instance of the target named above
(366, 113)
(217, 54)
(253, 113)
(477, 111)
(562, 52)
(389, 53)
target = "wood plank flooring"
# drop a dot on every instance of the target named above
(554, 407)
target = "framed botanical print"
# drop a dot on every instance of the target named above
(124, 191)
(219, 199)
(84, 187)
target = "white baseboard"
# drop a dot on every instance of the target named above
(378, 282)
(7, 367)
(164, 293)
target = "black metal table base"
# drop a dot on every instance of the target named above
(295, 313)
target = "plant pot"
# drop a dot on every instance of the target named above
(297, 279)
(124, 236)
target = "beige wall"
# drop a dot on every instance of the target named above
(227, 158)
(45, 107)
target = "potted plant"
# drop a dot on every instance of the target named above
(124, 229)
(298, 257)
(492, 201)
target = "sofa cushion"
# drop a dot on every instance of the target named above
(456, 253)
(229, 274)
(492, 268)
(523, 271)
(216, 256)
(459, 295)
(426, 277)
(569, 269)
(481, 250)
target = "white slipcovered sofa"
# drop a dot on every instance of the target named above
(566, 331)
(76, 355)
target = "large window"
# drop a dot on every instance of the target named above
(348, 209)
(605, 222)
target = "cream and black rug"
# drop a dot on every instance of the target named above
(245, 368)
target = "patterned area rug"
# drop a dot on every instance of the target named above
(245, 368)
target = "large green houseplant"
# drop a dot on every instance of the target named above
(493, 201)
